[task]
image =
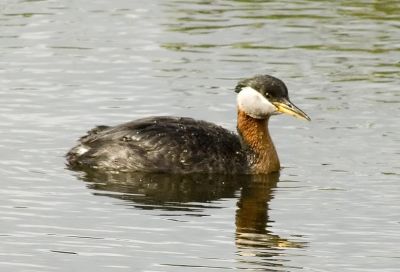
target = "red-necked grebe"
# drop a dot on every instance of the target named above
(185, 145)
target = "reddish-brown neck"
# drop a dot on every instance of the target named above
(262, 154)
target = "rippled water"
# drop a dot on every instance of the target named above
(66, 66)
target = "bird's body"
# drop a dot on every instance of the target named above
(162, 144)
(185, 145)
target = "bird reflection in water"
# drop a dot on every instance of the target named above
(168, 192)
(193, 194)
(253, 239)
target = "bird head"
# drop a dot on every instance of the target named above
(262, 96)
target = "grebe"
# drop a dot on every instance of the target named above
(184, 145)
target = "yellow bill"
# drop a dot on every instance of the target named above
(287, 107)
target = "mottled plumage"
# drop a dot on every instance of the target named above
(161, 144)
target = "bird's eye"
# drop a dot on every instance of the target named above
(267, 95)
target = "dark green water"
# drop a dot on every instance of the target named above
(66, 66)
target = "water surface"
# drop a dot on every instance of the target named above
(66, 66)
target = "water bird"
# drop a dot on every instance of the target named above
(167, 144)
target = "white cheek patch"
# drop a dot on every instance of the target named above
(254, 104)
